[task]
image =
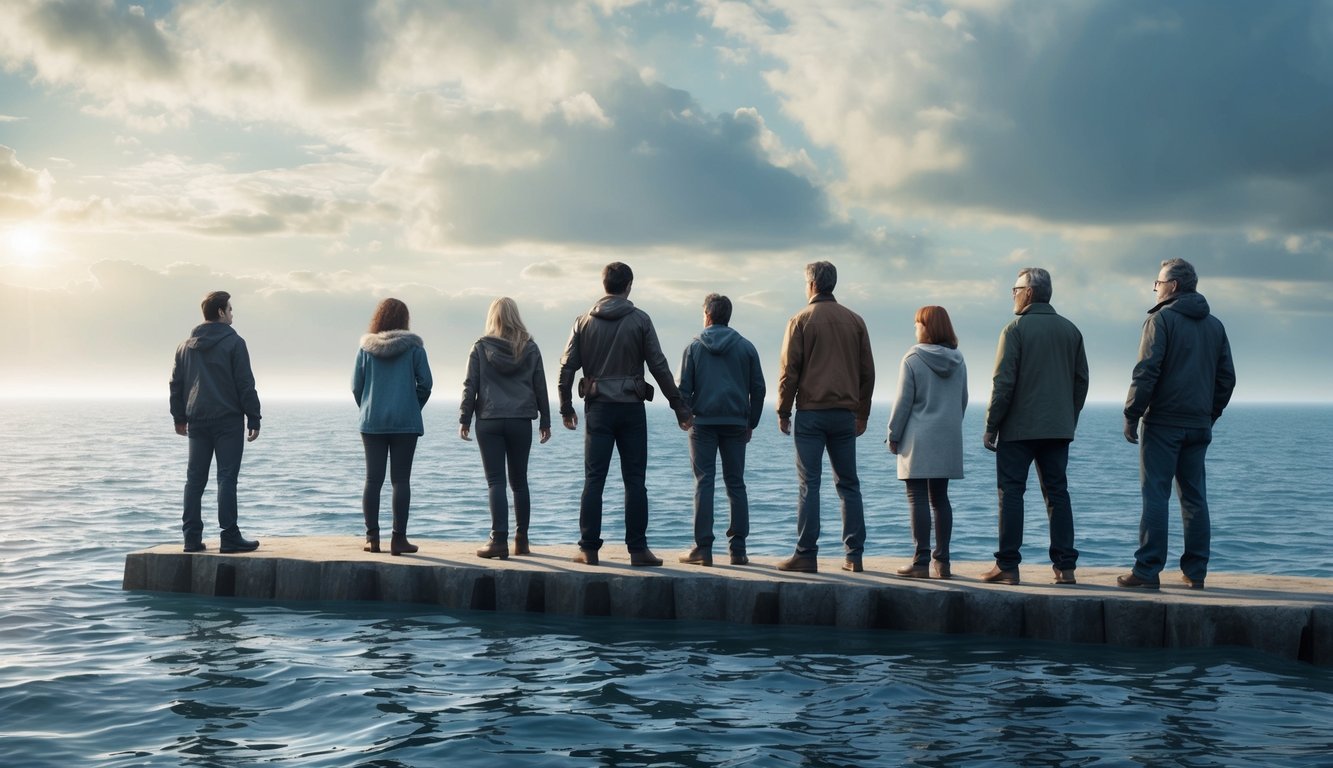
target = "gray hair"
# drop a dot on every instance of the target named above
(1039, 280)
(1187, 280)
(823, 274)
(718, 308)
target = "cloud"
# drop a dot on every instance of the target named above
(1119, 113)
(23, 190)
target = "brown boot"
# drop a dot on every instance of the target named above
(496, 548)
(399, 545)
(521, 544)
(372, 544)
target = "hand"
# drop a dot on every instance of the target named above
(784, 424)
(749, 433)
(861, 425)
(545, 433)
(1132, 431)
(571, 421)
(465, 432)
(182, 430)
(687, 423)
(252, 436)
(990, 440)
(893, 447)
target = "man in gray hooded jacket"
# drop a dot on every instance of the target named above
(611, 344)
(721, 380)
(1181, 384)
(213, 402)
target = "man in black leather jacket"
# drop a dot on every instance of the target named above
(611, 344)
(1181, 384)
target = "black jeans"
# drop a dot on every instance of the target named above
(622, 427)
(1166, 454)
(379, 450)
(923, 497)
(706, 442)
(224, 438)
(1013, 458)
(506, 441)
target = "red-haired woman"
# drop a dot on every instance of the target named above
(926, 433)
(391, 384)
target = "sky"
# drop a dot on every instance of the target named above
(314, 157)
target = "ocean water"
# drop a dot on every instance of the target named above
(92, 675)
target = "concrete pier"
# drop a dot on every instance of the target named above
(1291, 617)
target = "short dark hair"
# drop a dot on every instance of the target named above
(390, 315)
(718, 308)
(1187, 280)
(616, 277)
(1039, 280)
(823, 274)
(214, 304)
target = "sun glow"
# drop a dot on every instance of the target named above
(25, 245)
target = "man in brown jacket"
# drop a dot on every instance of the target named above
(828, 371)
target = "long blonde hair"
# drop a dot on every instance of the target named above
(503, 321)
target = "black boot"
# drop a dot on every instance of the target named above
(233, 541)
(521, 533)
(372, 543)
(372, 531)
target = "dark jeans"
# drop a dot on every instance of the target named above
(506, 441)
(224, 438)
(1013, 458)
(923, 497)
(622, 427)
(834, 430)
(706, 442)
(397, 451)
(1166, 453)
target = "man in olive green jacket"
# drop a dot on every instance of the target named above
(1039, 386)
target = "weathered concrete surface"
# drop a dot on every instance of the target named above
(1290, 617)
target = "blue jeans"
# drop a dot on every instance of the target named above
(706, 442)
(1013, 459)
(224, 438)
(620, 427)
(1167, 453)
(834, 430)
(506, 442)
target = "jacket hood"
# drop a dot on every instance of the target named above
(1191, 305)
(940, 359)
(500, 353)
(207, 335)
(386, 344)
(611, 308)
(717, 339)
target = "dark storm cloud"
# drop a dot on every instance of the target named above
(660, 172)
(103, 34)
(1209, 113)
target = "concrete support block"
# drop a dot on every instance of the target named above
(255, 577)
(297, 580)
(643, 597)
(578, 594)
(136, 571)
(702, 599)
(1134, 623)
(912, 608)
(465, 587)
(1321, 635)
(203, 576)
(807, 603)
(1064, 619)
(752, 602)
(856, 606)
(994, 612)
(520, 591)
(413, 584)
(1275, 629)
(348, 580)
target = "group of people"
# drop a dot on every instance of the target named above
(1182, 382)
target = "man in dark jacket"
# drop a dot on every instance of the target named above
(1037, 391)
(722, 382)
(1181, 384)
(213, 402)
(828, 372)
(611, 344)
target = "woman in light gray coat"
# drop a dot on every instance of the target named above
(926, 433)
